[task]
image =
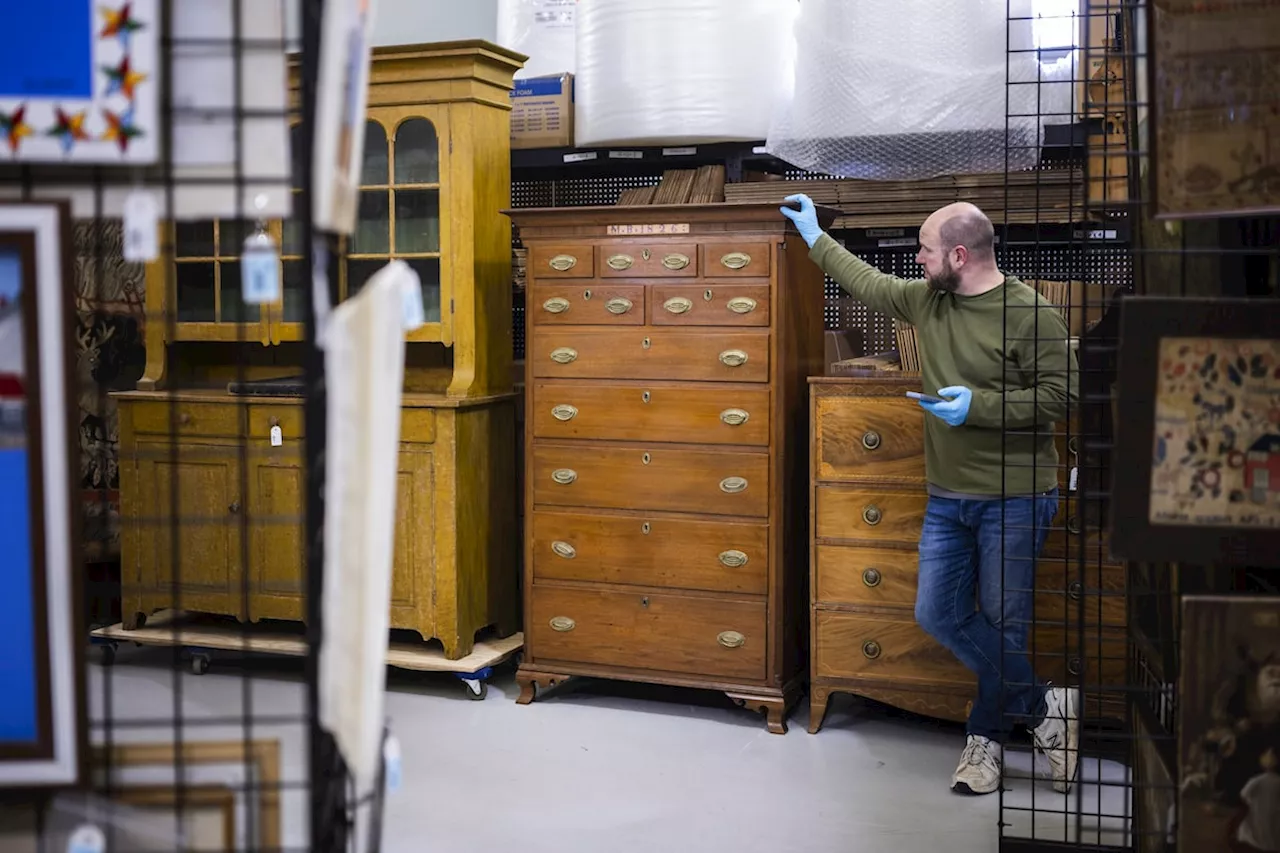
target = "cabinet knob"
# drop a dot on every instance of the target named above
(675, 261)
(620, 262)
(742, 305)
(564, 476)
(618, 305)
(184, 419)
(732, 640)
(736, 260)
(564, 549)
(563, 263)
(678, 305)
(563, 624)
(733, 485)
(234, 508)
(871, 650)
(871, 440)
(556, 305)
(564, 412)
(871, 515)
(273, 421)
(564, 355)
(733, 559)
(733, 358)
(735, 417)
(871, 577)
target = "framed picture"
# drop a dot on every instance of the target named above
(208, 814)
(1215, 135)
(1229, 736)
(42, 717)
(84, 85)
(1196, 472)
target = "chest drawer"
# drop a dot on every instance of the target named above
(563, 260)
(650, 354)
(730, 259)
(869, 438)
(649, 260)
(714, 305)
(880, 515)
(857, 645)
(876, 576)
(716, 482)
(669, 632)
(661, 413)
(712, 556)
(186, 419)
(576, 303)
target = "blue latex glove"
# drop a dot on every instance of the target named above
(953, 411)
(806, 218)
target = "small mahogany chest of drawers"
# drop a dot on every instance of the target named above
(868, 503)
(668, 349)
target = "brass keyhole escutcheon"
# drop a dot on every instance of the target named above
(646, 396)
(644, 602)
(645, 528)
(708, 295)
(871, 515)
(871, 440)
(871, 650)
(646, 254)
(646, 459)
(871, 577)
(647, 343)
(586, 294)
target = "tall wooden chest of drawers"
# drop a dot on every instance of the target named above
(668, 349)
(868, 502)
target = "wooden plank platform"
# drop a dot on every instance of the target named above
(164, 629)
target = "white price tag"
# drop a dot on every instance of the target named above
(260, 270)
(277, 437)
(1075, 475)
(141, 237)
(87, 839)
(391, 761)
(414, 314)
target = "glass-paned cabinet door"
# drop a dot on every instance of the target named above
(206, 286)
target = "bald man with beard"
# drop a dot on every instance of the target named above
(999, 356)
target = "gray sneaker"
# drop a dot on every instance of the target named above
(1058, 736)
(979, 770)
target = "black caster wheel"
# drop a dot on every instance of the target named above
(476, 690)
(199, 664)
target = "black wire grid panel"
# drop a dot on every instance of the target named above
(154, 723)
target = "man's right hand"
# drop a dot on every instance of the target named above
(806, 218)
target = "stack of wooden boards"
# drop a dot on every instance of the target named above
(1052, 196)
(680, 186)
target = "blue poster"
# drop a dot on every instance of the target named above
(49, 53)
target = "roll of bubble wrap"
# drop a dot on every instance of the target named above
(542, 30)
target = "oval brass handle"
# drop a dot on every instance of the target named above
(871, 440)
(871, 515)
(733, 485)
(731, 639)
(563, 263)
(733, 358)
(735, 417)
(618, 305)
(564, 412)
(564, 355)
(620, 262)
(556, 305)
(871, 577)
(678, 305)
(742, 305)
(564, 549)
(564, 476)
(563, 624)
(736, 260)
(1075, 666)
(1073, 526)
(871, 650)
(234, 507)
(733, 559)
(1076, 590)
(675, 261)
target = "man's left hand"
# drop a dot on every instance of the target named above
(953, 411)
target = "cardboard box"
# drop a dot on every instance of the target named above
(542, 112)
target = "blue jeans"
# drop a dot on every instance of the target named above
(987, 550)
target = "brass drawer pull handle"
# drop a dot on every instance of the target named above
(564, 413)
(618, 305)
(871, 515)
(564, 355)
(563, 263)
(678, 305)
(1076, 590)
(564, 476)
(733, 559)
(564, 549)
(733, 358)
(732, 640)
(871, 649)
(733, 485)
(871, 577)
(620, 262)
(556, 305)
(563, 624)
(742, 305)
(735, 417)
(736, 260)
(675, 261)
(871, 440)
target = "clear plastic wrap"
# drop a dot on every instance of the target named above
(542, 30)
(681, 72)
(918, 89)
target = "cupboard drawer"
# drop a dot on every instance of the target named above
(664, 413)
(879, 576)
(716, 305)
(180, 418)
(649, 260)
(882, 515)
(290, 419)
(869, 438)
(721, 260)
(661, 552)
(417, 426)
(563, 260)
(650, 477)
(857, 645)
(586, 304)
(650, 354)
(664, 632)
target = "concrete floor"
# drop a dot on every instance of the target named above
(606, 766)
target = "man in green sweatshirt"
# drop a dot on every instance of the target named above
(999, 356)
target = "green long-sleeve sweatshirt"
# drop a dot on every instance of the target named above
(1009, 346)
